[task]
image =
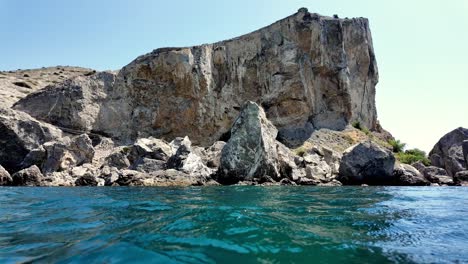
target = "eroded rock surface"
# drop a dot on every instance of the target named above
(251, 151)
(367, 163)
(448, 152)
(19, 134)
(308, 72)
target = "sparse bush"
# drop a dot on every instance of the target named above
(413, 155)
(397, 145)
(300, 151)
(357, 125)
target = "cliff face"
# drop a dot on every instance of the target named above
(307, 71)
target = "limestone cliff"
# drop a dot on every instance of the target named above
(307, 71)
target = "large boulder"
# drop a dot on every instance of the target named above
(437, 175)
(31, 176)
(461, 178)
(407, 175)
(151, 148)
(251, 151)
(5, 177)
(84, 103)
(367, 163)
(448, 152)
(68, 153)
(19, 134)
(465, 150)
(308, 71)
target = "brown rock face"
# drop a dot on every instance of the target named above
(307, 71)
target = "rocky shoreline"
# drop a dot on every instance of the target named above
(278, 106)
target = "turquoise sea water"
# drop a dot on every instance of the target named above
(234, 225)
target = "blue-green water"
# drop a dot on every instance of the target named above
(234, 225)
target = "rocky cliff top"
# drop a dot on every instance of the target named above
(15, 85)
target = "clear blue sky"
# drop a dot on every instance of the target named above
(421, 46)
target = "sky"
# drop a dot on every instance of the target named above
(421, 45)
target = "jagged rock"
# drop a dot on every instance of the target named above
(34, 157)
(317, 168)
(19, 134)
(31, 176)
(407, 175)
(251, 151)
(83, 103)
(86, 180)
(148, 165)
(437, 175)
(152, 148)
(68, 153)
(465, 150)
(307, 71)
(448, 152)
(419, 165)
(211, 156)
(110, 175)
(117, 159)
(461, 178)
(17, 84)
(187, 161)
(367, 163)
(5, 177)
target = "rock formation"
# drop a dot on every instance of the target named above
(367, 163)
(270, 107)
(251, 151)
(448, 152)
(308, 72)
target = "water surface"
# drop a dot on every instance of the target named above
(234, 225)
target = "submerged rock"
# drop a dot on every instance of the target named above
(251, 151)
(367, 163)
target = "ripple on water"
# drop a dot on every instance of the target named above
(234, 224)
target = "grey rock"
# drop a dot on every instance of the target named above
(367, 163)
(419, 166)
(19, 134)
(84, 103)
(5, 177)
(148, 165)
(448, 152)
(303, 69)
(251, 151)
(68, 153)
(461, 178)
(86, 180)
(31, 176)
(407, 175)
(35, 157)
(465, 150)
(187, 161)
(437, 175)
(152, 148)
(117, 159)
(211, 156)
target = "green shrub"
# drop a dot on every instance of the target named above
(300, 151)
(413, 155)
(357, 125)
(397, 145)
